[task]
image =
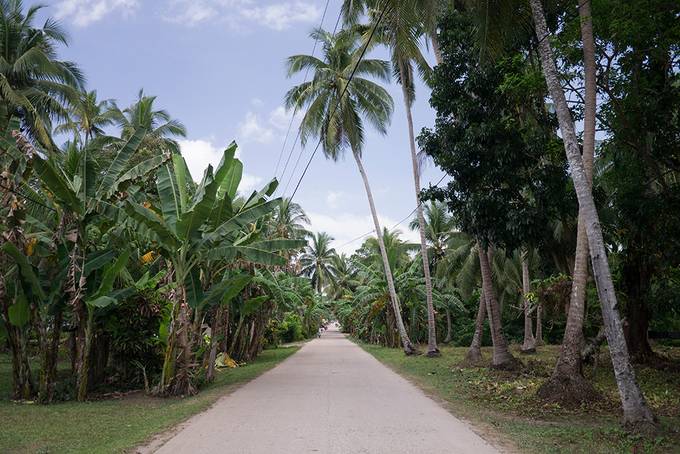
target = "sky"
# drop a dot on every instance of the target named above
(218, 66)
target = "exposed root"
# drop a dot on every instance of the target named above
(568, 391)
(433, 353)
(509, 365)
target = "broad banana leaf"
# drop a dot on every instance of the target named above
(19, 312)
(97, 260)
(183, 177)
(193, 288)
(54, 181)
(243, 217)
(25, 269)
(140, 170)
(169, 195)
(109, 276)
(260, 196)
(150, 220)
(119, 163)
(253, 304)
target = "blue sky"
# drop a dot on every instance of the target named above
(218, 66)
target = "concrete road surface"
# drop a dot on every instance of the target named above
(330, 397)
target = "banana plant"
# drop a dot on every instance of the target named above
(83, 196)
(192, 231)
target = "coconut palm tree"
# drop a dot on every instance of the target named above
(335, 113)
(317, 261)
(289, 220)
(399, 26)
(163, 129)
(88, 117)
(635, 408)
(34, 85)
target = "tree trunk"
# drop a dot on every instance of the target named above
(84, 361)
(539, 325)
(432, 350)
(635, 409)
(502, 358)
(50, 357)
(449, 334)
(637, 282)
(529, 344)
(409, 349)
(474, 353)
(567, 383)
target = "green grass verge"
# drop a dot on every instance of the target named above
(504, 406)
(110, 426)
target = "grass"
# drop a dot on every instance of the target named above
(114, 425)
(505, 408)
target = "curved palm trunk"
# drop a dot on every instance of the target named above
(635, 408)
(502, 358)
(529, 344)
(409, 349)
(474, 353)
(568, 374)
(449, 333)
(432, 349)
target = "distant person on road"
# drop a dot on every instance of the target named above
(320, 331)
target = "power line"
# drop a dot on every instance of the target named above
(395, 225)
(297, 137)
(342, 95)
(292, 118)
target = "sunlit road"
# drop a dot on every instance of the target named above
(330, 397)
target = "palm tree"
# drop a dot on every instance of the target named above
(34, 85)
(162, 128)
(317, 261)
(335, 113)
(343, 277)
(399, 26)
(568, 373)
(290, 220)
(88, 117)
(635, 408)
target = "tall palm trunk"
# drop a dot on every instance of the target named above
(409, 349)
(529, 344)
(502, 358)
(635, 408)
(474, 353)
(432, 349)
(567, 381)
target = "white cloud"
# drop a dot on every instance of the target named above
(238, 13)
(345, 227)
(198, 154)
(333, 198)
(280, 118)
(282, 15)
(252, 130)
(84, 12)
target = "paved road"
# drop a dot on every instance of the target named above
(330, 397)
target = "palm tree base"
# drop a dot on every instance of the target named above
(568, 391)
(433, 353)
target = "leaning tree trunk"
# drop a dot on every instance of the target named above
(474, 353)
(432, 349)
(635, 409)
(409, 349)
(502, 358)
(567, 383)
(529, 344)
